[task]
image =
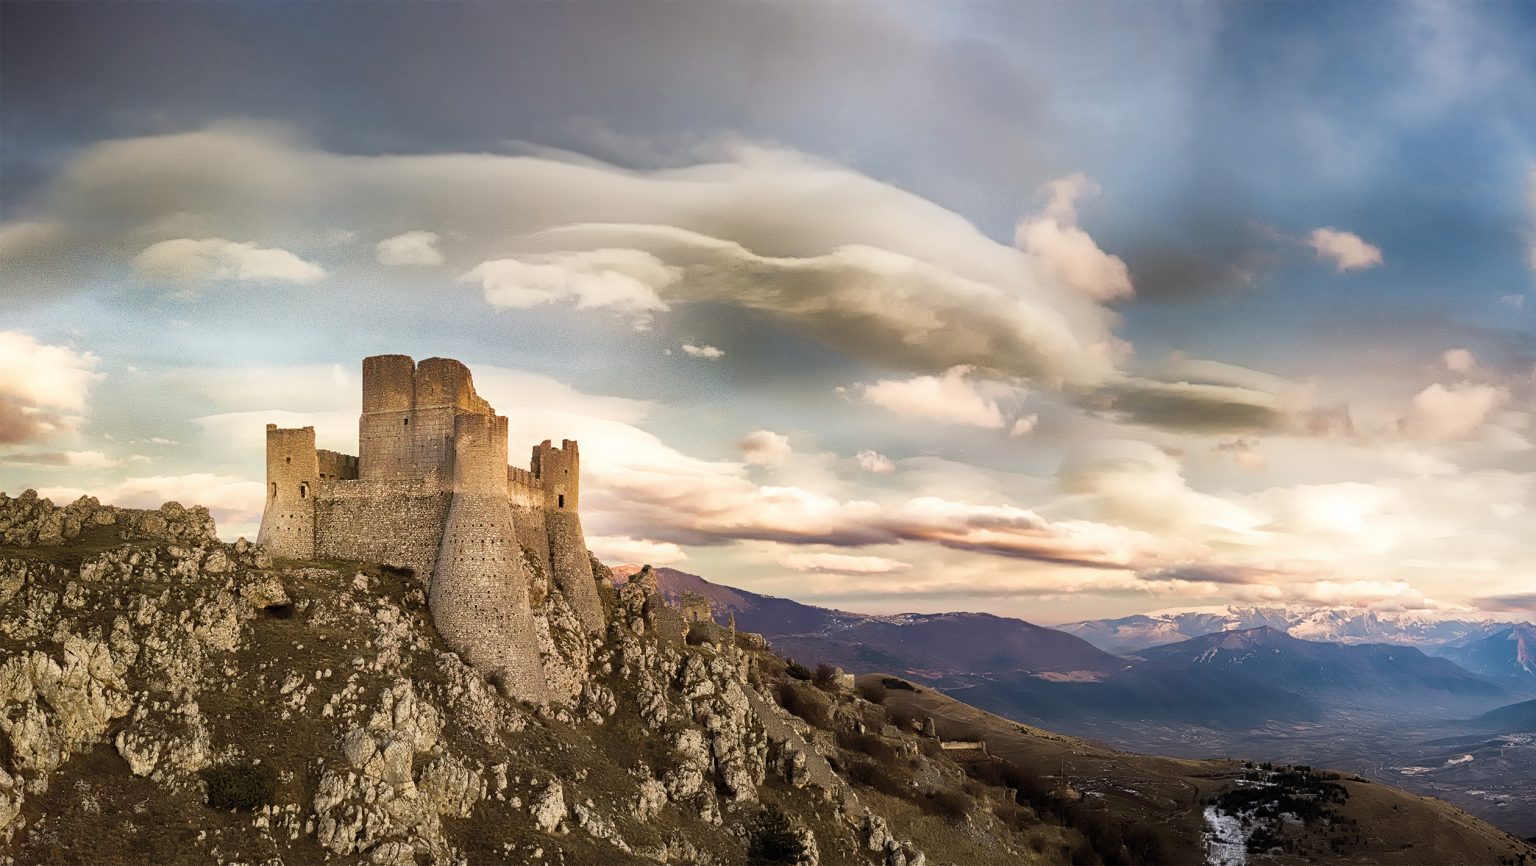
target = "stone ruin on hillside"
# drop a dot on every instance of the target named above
(430, 490)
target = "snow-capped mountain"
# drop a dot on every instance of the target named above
(1424, 629)
(1507, 654)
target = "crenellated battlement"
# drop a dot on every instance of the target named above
(430, 490)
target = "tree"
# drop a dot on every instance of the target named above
(772, 841)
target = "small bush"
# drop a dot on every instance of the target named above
(904, 719)
(243, 787)
(806, 704)
(278, 611)
(869, 744)
(873, 692)
(886, 780)
(952, 806)
(771, 841)
(896, 683)
(798, 671)
(825, 677)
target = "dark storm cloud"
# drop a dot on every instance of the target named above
(1525, 601)
(1201, 258)
(21, 421)
(833, 78)
(1210, 573)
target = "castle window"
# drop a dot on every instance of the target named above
(405, 422)
(274, 490)
(287, 459)
(562, 500)
(303, 491)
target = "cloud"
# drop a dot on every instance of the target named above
(1243, 452)
(765, 448)
(873, 271)
(187, 261)
(627, 549)
(1518, 602)
(619, 279)
(69, 459)
(1459, 360)
(1024, 425)
(1515, 301)
(1440, 413)
(1008, 530)
(1346, 250)
(415, 248)
(948, 399)
(707, 352)
(1213, 398)
(42, 387)
(1140, 485)
(1065, 251)
(841, 563)
(875, 462)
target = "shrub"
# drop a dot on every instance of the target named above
(904, 719)
(806, 704)
(952, 806)
(886, 780)
(869, 744)
(873, 692)
(825, 677)
(771, 841)
(897, 683)
(244, 787)
(278, 611)
(798, 671)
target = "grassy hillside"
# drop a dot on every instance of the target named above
(1387, 825)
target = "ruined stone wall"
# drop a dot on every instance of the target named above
(335, 466)
(558, 470)
(479, 593)
(527, 498)
(397, 523)
(293, 474)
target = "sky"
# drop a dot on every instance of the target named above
(1058, 311)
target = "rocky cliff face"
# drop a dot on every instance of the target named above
(169, 698)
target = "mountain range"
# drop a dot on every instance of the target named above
(1403, 715)
(1226, 679)
(1507, 655)
(1334, 625)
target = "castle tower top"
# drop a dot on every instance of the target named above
(558, 471)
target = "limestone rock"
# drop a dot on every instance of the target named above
(548, 810)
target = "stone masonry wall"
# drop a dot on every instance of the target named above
(479, 592)
(431, 491)
(293, 479)
(335, 466)
(528, 514)
(397, 523)
(573, 567)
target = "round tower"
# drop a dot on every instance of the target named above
(479, 594)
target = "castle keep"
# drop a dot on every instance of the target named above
(430, 490)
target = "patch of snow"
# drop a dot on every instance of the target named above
(1224, 840)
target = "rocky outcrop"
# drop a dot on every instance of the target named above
(146, 661)
(31, 521)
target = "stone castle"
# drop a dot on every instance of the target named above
(430, 490)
